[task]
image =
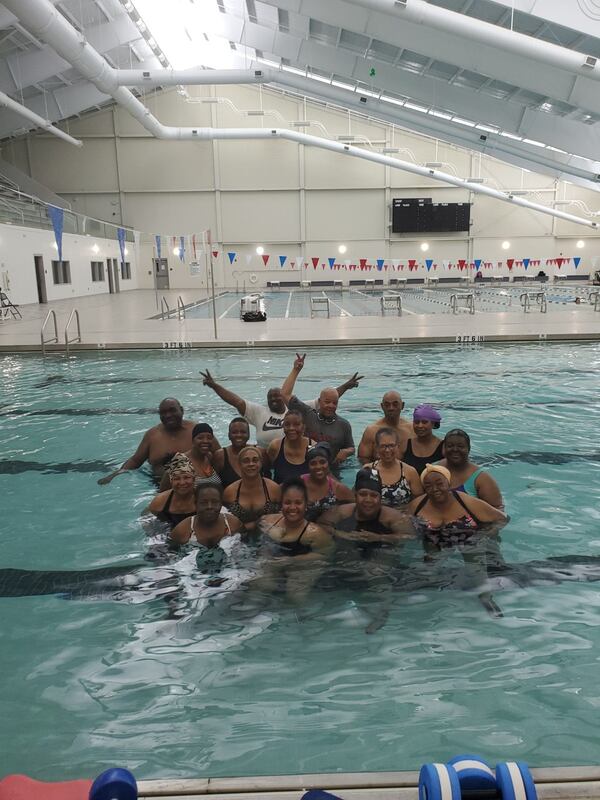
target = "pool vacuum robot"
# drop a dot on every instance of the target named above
(252, 308)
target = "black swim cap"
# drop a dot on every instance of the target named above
(321, 450)
(368, 479)
(201, 427)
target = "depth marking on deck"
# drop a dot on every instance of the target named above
(287, 308)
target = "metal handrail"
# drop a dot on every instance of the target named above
(467, 299)
(74, 313)
(164, 307)
(180, 307)
(52, 339)
(594, 297)
(539, 297)
(391, 300)
(319, 301)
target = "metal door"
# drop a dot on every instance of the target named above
(40, 279)
(115, 266)
(161, 273)
(109, 273)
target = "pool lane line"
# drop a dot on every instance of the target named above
(287, 308)
(370, 297)
(343, 312)
(228, 309)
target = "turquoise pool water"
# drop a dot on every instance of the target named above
(358, 301)
(87, 683)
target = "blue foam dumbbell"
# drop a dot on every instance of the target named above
(438, 782)
(114, 784)
(514, 781)
(474, 774)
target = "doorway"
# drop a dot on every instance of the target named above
(115, 267)
(161, 273)
(109, 274)
(40, 279)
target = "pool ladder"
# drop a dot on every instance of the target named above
(466, 301)
(165, 311)
(51, 315)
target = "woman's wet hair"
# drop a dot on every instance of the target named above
(385, 432)
(240, 419)
(293, 412)
(201, 427)
(459, 432)
(203, 486)
(253, 447)
(295, 483)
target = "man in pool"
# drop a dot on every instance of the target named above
(268, 420)
(392, 406)
(172, 435)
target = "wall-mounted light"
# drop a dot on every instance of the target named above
(505, 245)
(342, 249)
(424, 246)
(260, 250)
(95, 248)
(580, 244)
(126, 251)
(175, 251)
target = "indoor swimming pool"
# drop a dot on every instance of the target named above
(90, 680)
(364, 301)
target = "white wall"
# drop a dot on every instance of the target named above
(293, 200)
(19, 245)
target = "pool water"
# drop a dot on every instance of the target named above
(358, 301)
(91, 682)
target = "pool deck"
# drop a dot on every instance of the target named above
(123, 321)
(557, 783)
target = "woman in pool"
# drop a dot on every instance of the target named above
(226, 461)
(200, 455)
(399, 481)
(252, 496)
(287, 455)
(466, 476)
(294, 551)
(447, 517)
(207, 524)
(424, 447)
(323, 490)
(177, 503)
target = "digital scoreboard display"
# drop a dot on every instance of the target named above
(420, 215)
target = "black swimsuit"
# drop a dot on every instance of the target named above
(290, 549)
(172, 517)
(420, 462)
(369, 526)
(284, 470)
(228, 475)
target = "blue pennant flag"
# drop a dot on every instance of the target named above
(477, 263)
(331, 262)
(231, 257)
(157, 240)
(429, 263)
(282, 260)
(181, 248)
(577, 261)
(526, 262)
(57, 216)
(121, 238)
(380, 262)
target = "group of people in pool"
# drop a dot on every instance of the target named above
(285, 491)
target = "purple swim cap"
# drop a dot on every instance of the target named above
(425, 411)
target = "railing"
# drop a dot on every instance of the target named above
(466, 301)
(306, 285)
(319, 304)
(77, 338)
(594, 297)
(164, 308)
(370, 284)
(180, 307)
(538, 297)
(276, 285)
(338, 286)
(52, 339)
(390, 302)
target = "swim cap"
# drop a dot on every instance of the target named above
(180, 463)
(201, 427)
(321, 450)
(436, 468)
(368, 479)
(425, 411)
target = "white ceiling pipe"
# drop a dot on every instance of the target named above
(476, 30)
(187, 77)
(23, 111)
(41, 19)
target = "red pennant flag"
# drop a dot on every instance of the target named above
(412, 263)
(510, 262)
(363, 263)
(292, 264)
(315, 262)
(215, 253)
(402, 266)
(265, 259)
(559, 261)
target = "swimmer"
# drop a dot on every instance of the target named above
(178, 502)
(252, 496)
(293, 550)
(392, 406)
(226, 460)
(466, 476)
(447, 517)
(288, 455)
(399, 481)
(424, 447)
(172, 435)
(323, 491)
(200, 455)
(208, 525)
(268, 420)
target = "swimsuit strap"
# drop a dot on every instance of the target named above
(167, 504)
(421, 505)
(469, 484)
(192, 520)
(302, 532)
(461, 502)
(330, 484)
(239, 489)
(266, 491)
(226, 521)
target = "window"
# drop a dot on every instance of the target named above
(61, 272)
(97, 271)
(125, 270)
